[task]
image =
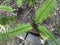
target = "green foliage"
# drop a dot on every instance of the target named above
(12, 18)
(45, 10)
(19, 29)
(6, 20)
(5, 1)
(47, 33)
(6, 8)
(19, 2)
(58, 30)
(0, 35)
(3, 20)
(31, 2)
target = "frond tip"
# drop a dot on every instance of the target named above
(6, 8)
(45, 10)
(31, 2)
(47, 33)
(19, 2)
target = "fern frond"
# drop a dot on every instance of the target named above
(5, 1)
(45, 10)
(6, 8)
(3, 20)
(19, 2)
(58, 30)
(47, 33)
(31, 2)
(19, 29)
(7, 20)
(0, 36)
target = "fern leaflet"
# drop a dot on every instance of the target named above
(19, 29)
(45, 10)
(48, 34)
(6, 8)
(19, 3)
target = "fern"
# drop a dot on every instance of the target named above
(0, 36)
(19, 2)
(19, 29)
(6, 8)
(45, 10)
(48, 34)
(57, 31)
(4, 1)
(3, 20)
(7, 20)
(42, 14)
(31, 2)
